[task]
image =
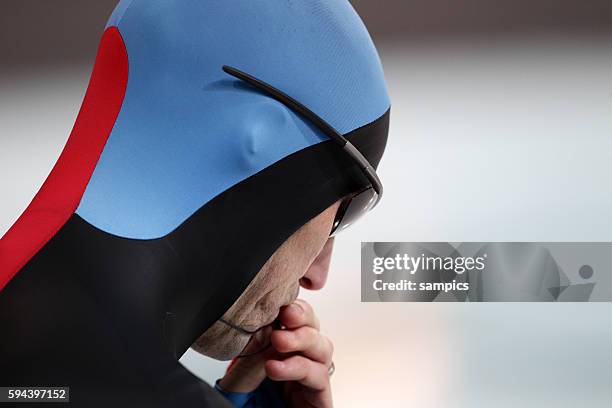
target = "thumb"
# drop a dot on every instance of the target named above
(246, 372)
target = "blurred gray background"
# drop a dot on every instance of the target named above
(501, 131)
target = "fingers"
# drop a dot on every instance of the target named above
(306, 353)
(298, 368)
(305, 340)
(298, 314)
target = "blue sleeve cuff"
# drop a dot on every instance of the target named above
(238, 399)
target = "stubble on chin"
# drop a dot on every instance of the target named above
(221, 342)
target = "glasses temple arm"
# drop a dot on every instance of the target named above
(315, 119)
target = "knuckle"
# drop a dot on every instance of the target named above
(309, 334)
(330, 346)
(304, 338)
(321, 373)
(310, 339)
(284, 341)
(301, 364)
(326, 351)
(306, 306)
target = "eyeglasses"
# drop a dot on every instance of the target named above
(354, 206)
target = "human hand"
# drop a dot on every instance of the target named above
(300, 358)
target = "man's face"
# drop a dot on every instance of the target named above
(302, 260)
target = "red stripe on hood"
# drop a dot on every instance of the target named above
(61, 193)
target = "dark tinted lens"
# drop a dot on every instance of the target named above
(352, 210)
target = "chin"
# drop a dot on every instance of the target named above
(220, 348)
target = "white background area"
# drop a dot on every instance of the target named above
(491, 140)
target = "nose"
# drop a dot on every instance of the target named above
(316, 275)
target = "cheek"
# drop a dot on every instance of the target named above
(280, 279)
(270, 302)
(288, 273)
(279, 296)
